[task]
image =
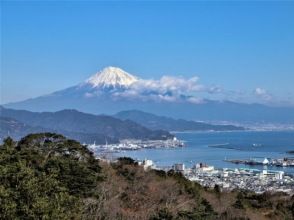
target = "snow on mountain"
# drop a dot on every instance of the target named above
(111, 77)
(112, 90)
(117, 84)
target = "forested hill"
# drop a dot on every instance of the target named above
(154, 122)
(46, 176)
(16, 129)
(78, 125)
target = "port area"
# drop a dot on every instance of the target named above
(135, 144)
(226, 179)
(258, 181)
(281, 162)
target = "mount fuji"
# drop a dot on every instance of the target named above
(113, 90)
(111, 77)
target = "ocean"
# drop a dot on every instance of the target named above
(213, 148)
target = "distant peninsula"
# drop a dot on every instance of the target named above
(155, 122)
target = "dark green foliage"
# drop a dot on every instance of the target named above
(186, 215)
(201, 213)
(162, 214)
(217, 189)
(278, 206)
(226, 216)
(204, 210)
(122, 167)
(239, 201)
(126, 161)
(74, 124)
(258, 201)
(292, 207)
(192, 188)
(160, 173)
(45, 176)
(238, 204)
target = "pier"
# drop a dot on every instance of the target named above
(281, 162)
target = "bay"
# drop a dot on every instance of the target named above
(213, 148)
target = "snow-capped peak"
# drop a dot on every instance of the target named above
(111, 77)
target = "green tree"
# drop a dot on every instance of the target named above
(45, 176)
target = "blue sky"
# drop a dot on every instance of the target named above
(241, 47)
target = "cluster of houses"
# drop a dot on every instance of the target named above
(255, 180)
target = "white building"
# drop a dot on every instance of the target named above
(265, 161)
(207, 168)
(179, 167)
(147, 164)
(225, 174)
(279, 175)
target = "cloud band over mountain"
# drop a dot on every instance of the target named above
(167, 88)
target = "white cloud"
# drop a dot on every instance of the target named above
(168, 84)
(167, 88)
(214, 89)
(180, 89)
(195, 100)
(262, 94)
(89, 95)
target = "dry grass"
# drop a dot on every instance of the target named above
(140, 194)
(129, 192)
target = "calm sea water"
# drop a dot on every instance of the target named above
(245, 144)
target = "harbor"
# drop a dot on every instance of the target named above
(135, 144)
(260, 167)
(271, 145)
(280, 162)
(255, 180)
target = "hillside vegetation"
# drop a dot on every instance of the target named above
(78, 125)
(46, 176)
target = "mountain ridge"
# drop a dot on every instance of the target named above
(109, 95)
(16, 129)
(73, 122)
(153, 121)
